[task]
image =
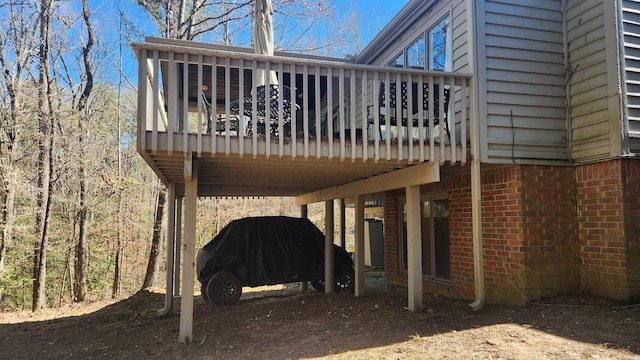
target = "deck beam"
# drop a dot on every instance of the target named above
(410, 176)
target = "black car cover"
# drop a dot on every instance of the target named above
(268, 250)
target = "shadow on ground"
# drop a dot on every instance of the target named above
(289, 324)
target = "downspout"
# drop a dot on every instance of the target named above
(476, 189)
(171, 209)
(568, 74)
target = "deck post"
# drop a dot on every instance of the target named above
(304, 213)
(171, 223)
(328, 247)
(343, 224)
(177, 247)
(359, 220)
(191, 197)
(414, 247)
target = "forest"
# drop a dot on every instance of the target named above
(82, 215)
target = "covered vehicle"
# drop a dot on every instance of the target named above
(268, 250)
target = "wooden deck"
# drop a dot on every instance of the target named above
(187, 112)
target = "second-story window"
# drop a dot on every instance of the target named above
(431, 51)
(415, 54)
(398, 61)
(439, 45)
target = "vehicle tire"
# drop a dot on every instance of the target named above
(203, 291)
(318, 285)
(224, 288)
(345, 280)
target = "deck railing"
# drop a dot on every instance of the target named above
(204, 100)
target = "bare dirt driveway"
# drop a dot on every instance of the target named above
(293, 325)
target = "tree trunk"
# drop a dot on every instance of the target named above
(152, 266)
(7, 230)
(80, 278)
(115, 287)
(45, 141)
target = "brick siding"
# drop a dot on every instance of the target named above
(609, 214)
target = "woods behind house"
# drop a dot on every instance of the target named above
(79, 207)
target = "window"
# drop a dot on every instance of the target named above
(434, 215)
(439, 48)
(433, 46)
(398, 61)
(415, 54)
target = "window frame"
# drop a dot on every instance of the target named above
(431, 238)
(403, 56)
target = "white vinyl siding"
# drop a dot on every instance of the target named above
(589, 82)
(459, 52)
(525, 80)
(631, 38)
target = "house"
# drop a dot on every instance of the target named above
(502, 137)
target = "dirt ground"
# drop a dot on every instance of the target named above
(289, 324)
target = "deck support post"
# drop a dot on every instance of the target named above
(328, 247)
(191, 197)
(414, 248)
(171, 223)
(359, 254)
(178, 247)
(343, 224)
(304, 213)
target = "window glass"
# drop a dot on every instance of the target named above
(398, 61)
(415, 54)
(439, 48)
(434, 228)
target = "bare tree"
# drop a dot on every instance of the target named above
(17, 50)
(182, 19)
(45, 144)
(80, 278)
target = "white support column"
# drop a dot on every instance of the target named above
(178, 248)
(343, 224)
(359, 220)
(171, 226)
(304, 213)
(188, 247)
(328, 247)
(414, 247)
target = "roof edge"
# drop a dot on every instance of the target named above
(406, 17)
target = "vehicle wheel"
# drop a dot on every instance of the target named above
(318, 285)
(203, 291)
(345, 280)
(224, 288)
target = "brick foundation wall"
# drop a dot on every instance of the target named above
(529, 233)
(631, 174)
(549, 231)
(609, 214)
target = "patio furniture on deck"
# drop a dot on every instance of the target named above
(404, 121)
(276, 96)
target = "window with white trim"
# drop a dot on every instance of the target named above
(434, 226)
(431, 51)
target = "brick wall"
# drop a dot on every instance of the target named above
(529, 234)
(549, 230)
(608, 210)
(631, 176)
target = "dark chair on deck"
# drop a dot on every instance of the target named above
(277, 94)
(392, 112)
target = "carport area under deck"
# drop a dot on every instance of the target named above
(318, 162)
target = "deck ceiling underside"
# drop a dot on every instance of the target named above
(232, 176)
